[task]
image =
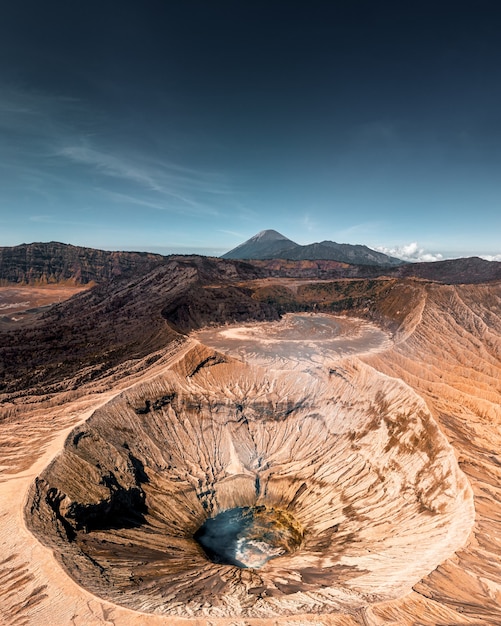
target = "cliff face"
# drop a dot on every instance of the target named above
(45, 263)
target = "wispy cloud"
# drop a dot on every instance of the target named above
(32, 124)
(34, 121)
(53, 145)
(108, 164)
(358, 232)
(119, 197)
(232, 233)
(171, 186)
(410, 252)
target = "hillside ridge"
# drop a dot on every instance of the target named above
(270, 244)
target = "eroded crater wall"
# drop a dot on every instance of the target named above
(352, 454)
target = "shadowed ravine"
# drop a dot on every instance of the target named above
(352, 488)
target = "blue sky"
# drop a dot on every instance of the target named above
(190, 126)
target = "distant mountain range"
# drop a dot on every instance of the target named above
(269, 244)
(59, 263)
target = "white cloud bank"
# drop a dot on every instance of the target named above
(411, 252)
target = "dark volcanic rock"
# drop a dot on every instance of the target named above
(471, 270)
(218, 305)
(43, 263)
(125, 318)
(83, 337)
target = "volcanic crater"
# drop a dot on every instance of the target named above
(334, 484)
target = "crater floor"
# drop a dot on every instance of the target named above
(298, 339)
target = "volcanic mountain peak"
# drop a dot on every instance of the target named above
(270, 235)
(269, 244)
(265, 245)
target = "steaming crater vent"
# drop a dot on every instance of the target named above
(342, 488)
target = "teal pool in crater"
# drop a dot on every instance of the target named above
(249, 537)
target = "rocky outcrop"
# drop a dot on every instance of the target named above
(53, 262)
(453, 271)
(216, 306)
(127, 318)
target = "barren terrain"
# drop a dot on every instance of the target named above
(21, 304)
(386, 452)
(297, 341)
